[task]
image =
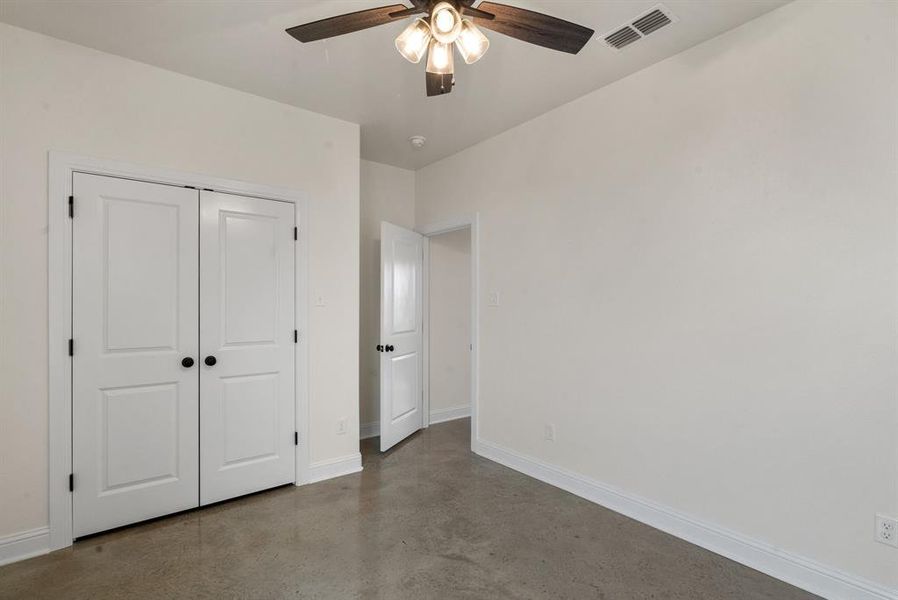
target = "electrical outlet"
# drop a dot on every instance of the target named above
(887, 530)
(342, 426)
(549, 432)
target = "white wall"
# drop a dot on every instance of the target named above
(450, 322)
(59, 96)
(387, 194)
(697, 277)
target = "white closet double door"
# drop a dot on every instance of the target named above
(183, 349)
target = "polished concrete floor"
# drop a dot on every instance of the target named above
(426, 520)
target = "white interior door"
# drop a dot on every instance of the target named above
(134, 320)
(247, 336)
(401, 334)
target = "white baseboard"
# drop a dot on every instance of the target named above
(26, 544)
(442, 415)
(35, 542)
(369, 430)
(335, 467)
(799, 571)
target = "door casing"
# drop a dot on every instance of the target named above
(62, 167)
(429, 230)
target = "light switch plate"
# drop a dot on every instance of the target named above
(493, 299)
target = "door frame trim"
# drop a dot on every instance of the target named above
(472, 222)
(61, 168)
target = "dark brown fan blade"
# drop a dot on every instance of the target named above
(348, 23)
(408, 12)
(535, 27)
(476, 12)
(439, 84)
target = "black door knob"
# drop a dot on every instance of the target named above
(187, 362)
(390, 348)
(210, 361)
(380, 347)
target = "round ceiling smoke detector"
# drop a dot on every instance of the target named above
(417, 141)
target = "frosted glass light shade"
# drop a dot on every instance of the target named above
(471, 42)
(440, 59)
(445, 23)
(413, 42)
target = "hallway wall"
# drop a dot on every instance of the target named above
(450, 325)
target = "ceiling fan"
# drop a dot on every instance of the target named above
(444, 26)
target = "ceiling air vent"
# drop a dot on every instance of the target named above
(641, 26)
(622, 37)
(653, 21)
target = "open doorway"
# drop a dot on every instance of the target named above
(421, 356)
(448, 331)
(450, 288)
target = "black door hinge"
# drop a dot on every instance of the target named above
(295, 233)
(295, 336)
(71, 482)
(296, 438)
(71, 347)
(71, 207)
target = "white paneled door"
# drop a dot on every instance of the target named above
(134, 313)
(401, 334)
(247, 343)
(183, 349)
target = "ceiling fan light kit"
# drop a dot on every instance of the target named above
(471, 43)
(440, 58)
(445, 22)
(414, 41)
(446, 28)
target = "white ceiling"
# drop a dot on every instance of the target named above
(360, 77)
